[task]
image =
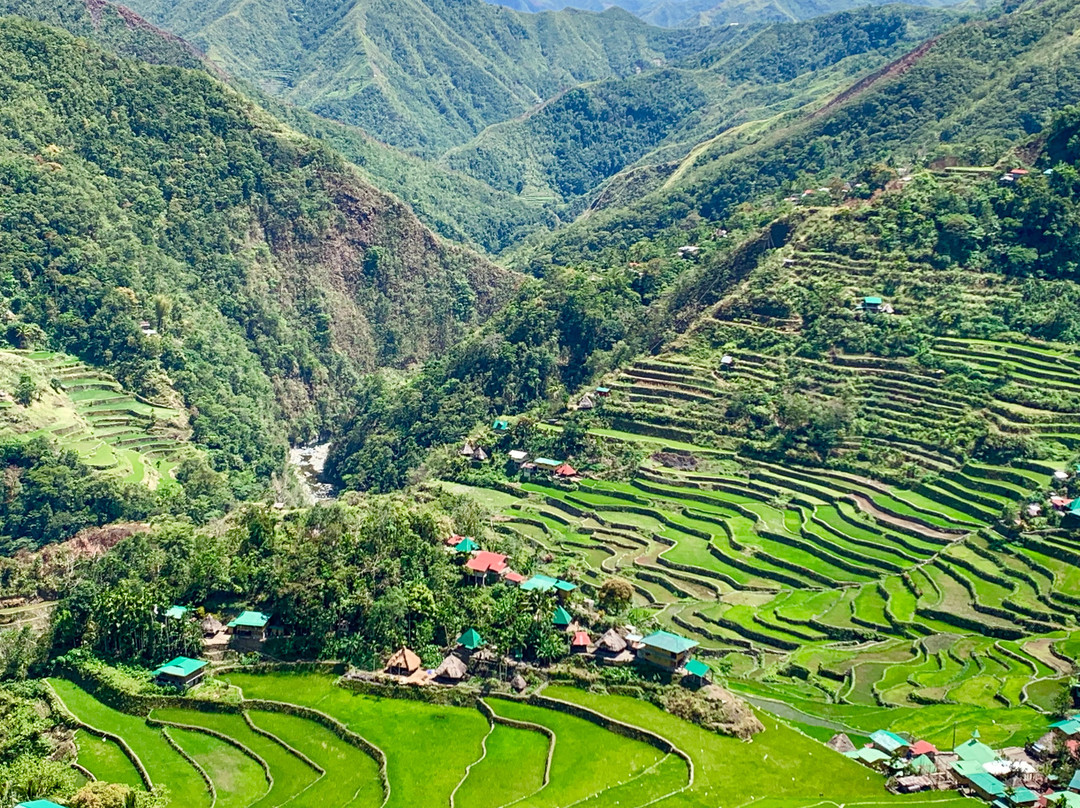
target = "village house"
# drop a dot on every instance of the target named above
(561, 618)
(483, 564)
(888, 742)
(545, 583)
(727, 362)
(546, 464)
(1067, 728)
(451, 671)
(579, 643)
(666, 650)
(181, 673)
(869, 756)
(249, 626)
(603, 392)
(566, 471)
(38, 804)
(518, 456)
(501, 425)
(586, 402)
(466, 545)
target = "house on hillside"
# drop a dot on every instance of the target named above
(546, 464)
(483, 564)
(512, 577)
(872, 303)
(175, 612)
(181, 673)
(869, 757)
(249, 626)
(603, 392)
(727, 362)
(975, 751)
(1067, 728)
(38, 804)
(403, 662)
(841, 743)
(545, 583)
(566, 471)
(466, 545)
(579, 643)
(586, 402)
(888, 742)
(922, 748)
(561, 618)
(501, 425)
(518, 456)
(666, 650)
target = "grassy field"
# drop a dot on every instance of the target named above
(512, 768)
(238, 779)
(105, 760)
(163, 763)
(408, 732)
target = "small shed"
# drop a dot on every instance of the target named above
(175, 612)
(479, 456)
(470, 640)
(466, 545)
(727, 362)
(871, 303)
(403, 662)
(452, 669)
(249, 625)
(580, 642)
(500, 425)
(519, 456)
(603, 392)
(586, 402)
(561, 618)
(181, 672)
(512, 577)
(698, 672)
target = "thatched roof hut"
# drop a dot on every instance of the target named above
(841, 743)
(612, 642)
(403, 662)
(211, 625)
(452, 669)
(518, 682)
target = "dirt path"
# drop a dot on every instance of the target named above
(867, 506)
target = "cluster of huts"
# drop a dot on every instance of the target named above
(590, 401)
(526, 464)
(1011, 777)
(244, 633)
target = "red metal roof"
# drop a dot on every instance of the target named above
(566, 470)
(486, 561)
(580, 638)
(514, 577)
(922, 748)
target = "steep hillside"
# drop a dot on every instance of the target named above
(573, 142)
(966, 95)
(689, 13)
(268, 272)
(421, 74)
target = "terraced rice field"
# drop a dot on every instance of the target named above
(88, 411)
(879, 577)
(272, 758)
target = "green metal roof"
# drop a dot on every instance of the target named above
(466, 546)
(565, 586)
(500, 424)
(873, 300)
(542, 583)
(471, 639)
(182, 666)
(695, 667)
(176, 612)
(1074, 784)
(868, 755)
(561, 617)
(966, 768)
(889, 741)
(976, 751)
(1023, 796)
(547, 461)
(250, 620)
(666, 641)
(38, 804)
(1065, 799)
(988, 784)
(922, 764)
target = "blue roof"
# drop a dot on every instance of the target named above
(38, 804)
(666, 641)
(176, 612)
(1075, 782)
(543, 583)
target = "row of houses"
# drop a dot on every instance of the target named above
(245, 632)
(1007, 778)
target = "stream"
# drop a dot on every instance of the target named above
(309, 462)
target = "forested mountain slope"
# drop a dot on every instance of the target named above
(421, 74)
(271, 272)
(688, 13)
(570, 144)
(967, 94)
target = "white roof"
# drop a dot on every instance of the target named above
(1000, 768)
(518, 454)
